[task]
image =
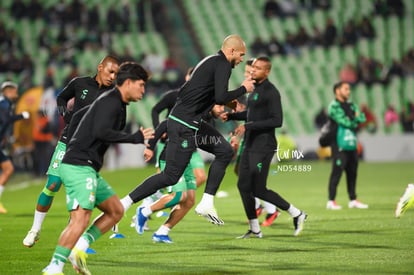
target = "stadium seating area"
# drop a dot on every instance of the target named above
(305, 81)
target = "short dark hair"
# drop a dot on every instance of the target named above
(249, 61)
(131, 70)
(110, 58)
(264, 59)
(338, 85)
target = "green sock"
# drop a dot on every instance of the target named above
(61, 254)
(92, 234)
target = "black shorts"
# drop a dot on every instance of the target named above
(3, 156)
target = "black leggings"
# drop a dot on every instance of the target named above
(253, 172)
(343, 160)
(182, 141)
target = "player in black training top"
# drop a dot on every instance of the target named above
(207, 86)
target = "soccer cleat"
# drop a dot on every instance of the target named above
(31, 238)
(357, 204)
(161, 238)
(406, 201)
(298, 223)
(250, 233)
(47, 273)
(140, 221)
(2, 209)
(78, 259)
(209, 214)
(90, 251)
(331, 205)
(270, 218)
(259, 210)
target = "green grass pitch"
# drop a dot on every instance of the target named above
(349, 241)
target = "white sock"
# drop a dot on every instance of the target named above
(270, 208)
(257, 203)
(207, 200)
(1, 190)
(163, 230)
(82, 244)
(147, 201)
(146, 211)
(254, 225)
(126, 202)
(55, 267)
(38, 220)
(293, 211)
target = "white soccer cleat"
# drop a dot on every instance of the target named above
(78, 259)
(209, 214)
(31, 238)
(357, 204)
(406, 201)
(331, 205)
(298, 223)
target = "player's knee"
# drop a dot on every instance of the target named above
(118, 212)
(226, 154)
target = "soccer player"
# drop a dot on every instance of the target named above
(207, 86)
(345, 116)
(167, 102)
(80, 92)
(406, 201)
(8, 97)
(85, 189)
(263, 116)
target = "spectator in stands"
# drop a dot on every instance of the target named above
(112, 18)
(348, 74)
(302, 37)
(43, 148)
(317, 36)
(271, 9)
(408, 62)
(349, 36)
(140, 7)
(407, 117)
(396, 7)
(315, 4)
(330, 33)
(125, 16)
(320, 118)
(93, 17)
(158, 14)
(369, 70)
(291, 46)
(396, 69)
(258, 47)
(18, 9)
(366, 29)
(274, 47)
(390, 117)
(288, 8)
(380, 8)
(370, 124)
(34, 10)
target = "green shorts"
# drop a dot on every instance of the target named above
(84, 186)
(196, 160)
(56, 160)
(186, 182)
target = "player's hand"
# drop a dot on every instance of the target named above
(234, 142)
(239, 131)
(248, 83)
(26, 115)
(224, 116)
(148, 154)
(148, 133)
